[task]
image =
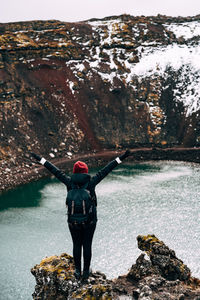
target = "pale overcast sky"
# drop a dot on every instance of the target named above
(78, 10)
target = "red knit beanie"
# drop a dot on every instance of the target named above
(80, 167)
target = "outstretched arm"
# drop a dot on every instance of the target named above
(108, 168)
(52, 168)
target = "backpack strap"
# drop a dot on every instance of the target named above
(84, 209)
(72, 212)
(84, 187)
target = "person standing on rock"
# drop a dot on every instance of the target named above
(81, 201)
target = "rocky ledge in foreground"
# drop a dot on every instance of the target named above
(159, 276)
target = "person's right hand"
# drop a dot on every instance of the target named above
(37, 157)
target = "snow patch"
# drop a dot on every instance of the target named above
(178, 58)
(186, 30)
(71, 85)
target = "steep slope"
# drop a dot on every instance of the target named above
(118, 82)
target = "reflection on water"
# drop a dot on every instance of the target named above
(157, 197)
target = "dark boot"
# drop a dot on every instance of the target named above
(77, 274)
(86, 274)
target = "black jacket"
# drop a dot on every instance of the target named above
(81, 179)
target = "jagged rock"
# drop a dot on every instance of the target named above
(55, 279)
(163, 259)
(142, 268)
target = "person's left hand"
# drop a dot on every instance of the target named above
(37, 157)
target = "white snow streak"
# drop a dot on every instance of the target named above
(185, 30)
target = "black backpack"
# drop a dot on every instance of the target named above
(80, 205)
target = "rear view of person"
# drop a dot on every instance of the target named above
(81, 202)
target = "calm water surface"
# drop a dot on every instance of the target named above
(154, 197)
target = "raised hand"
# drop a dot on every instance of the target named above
(126, 154)
(37, 157)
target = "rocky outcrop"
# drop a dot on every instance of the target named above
(74, 88)
(163, 261)
(55, 280)
(161, 276)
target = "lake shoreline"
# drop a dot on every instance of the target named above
(29, 171)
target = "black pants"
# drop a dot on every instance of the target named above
(82, 238)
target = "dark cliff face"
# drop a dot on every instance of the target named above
(112, 83)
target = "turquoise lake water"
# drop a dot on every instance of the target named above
(161, 198)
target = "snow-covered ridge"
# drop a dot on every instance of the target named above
(186, 30)
(157, 61)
